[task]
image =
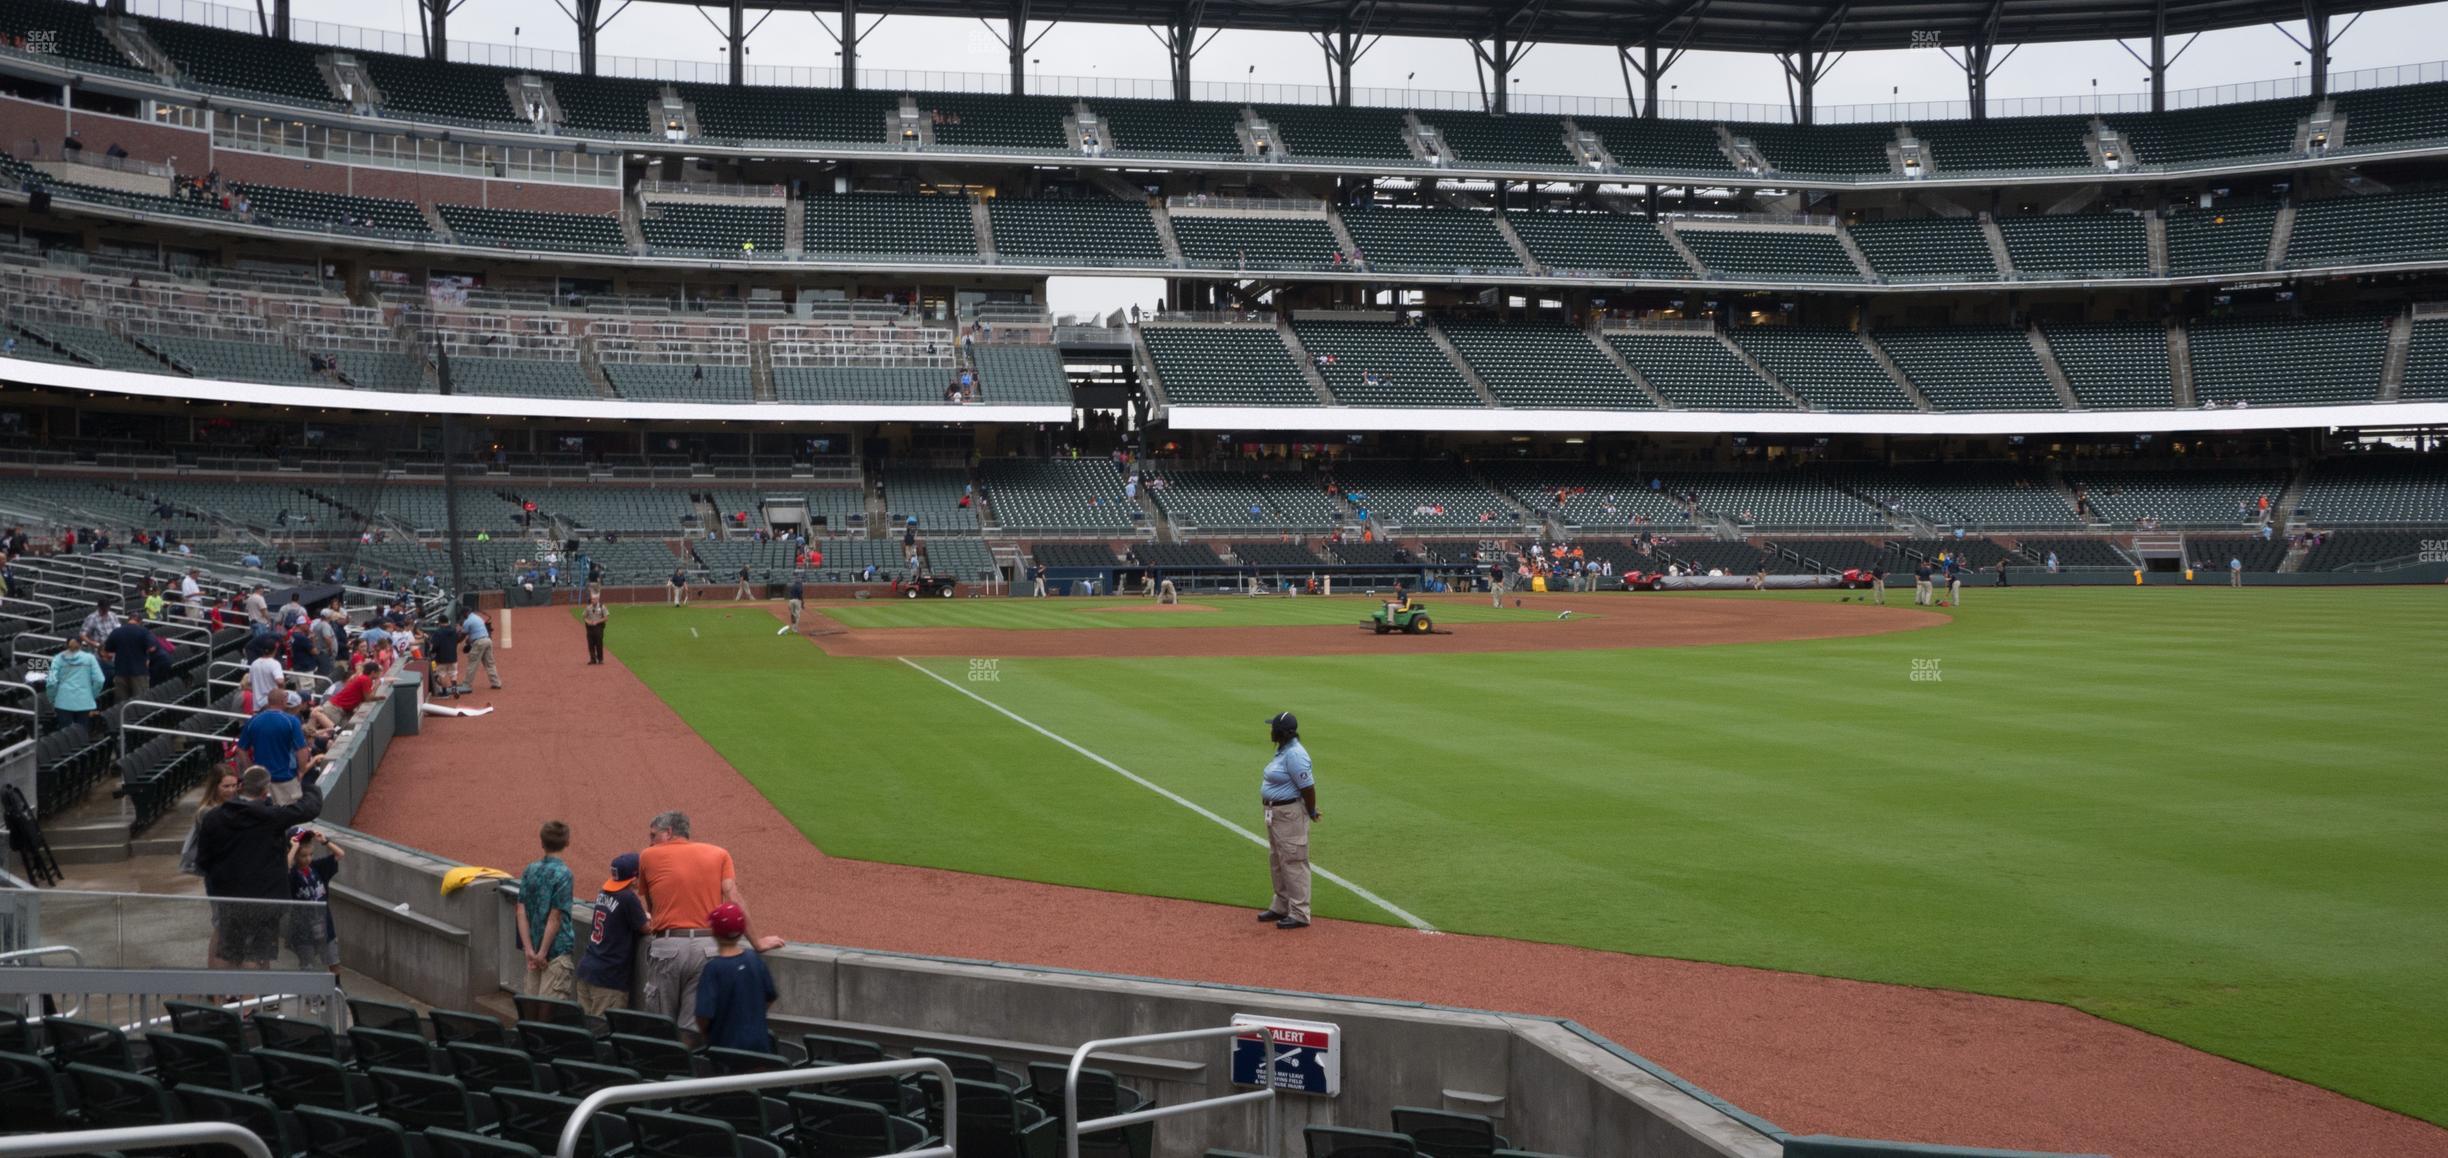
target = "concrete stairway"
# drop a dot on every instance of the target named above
(1529, 264)
(1164, 233)
(2180, 364)
(2048, 365)
(1615, 357)
(1308, 365)
(981, 221)
(1997, 246)
(1744, 356)
(1902, 380)
(1462, 365)
(2282, 229)
(2400, 349)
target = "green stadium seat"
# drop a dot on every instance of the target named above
(1226, 366)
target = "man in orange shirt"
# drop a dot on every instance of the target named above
(682, 881)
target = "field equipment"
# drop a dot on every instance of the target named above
(1408, 618)
(939, 586)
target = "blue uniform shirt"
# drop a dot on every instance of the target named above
(272, 738)
(732, 994)
(1286, 774)
(620, 918)
(474, 628)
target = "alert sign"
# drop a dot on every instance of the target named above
(1308, 1055)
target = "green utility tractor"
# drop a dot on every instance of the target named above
(1404, 616)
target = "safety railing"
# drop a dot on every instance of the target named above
(1073, 1128)
(595, 1102)
(134, 995)
(10, 690)
(220, 667)
(130, 1139)
(26, 958)
(129, 726)
(45, 645)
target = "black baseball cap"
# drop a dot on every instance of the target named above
(1284, 720)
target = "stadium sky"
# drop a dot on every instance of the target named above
(2402, 36)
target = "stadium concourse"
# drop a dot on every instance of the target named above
(1810, 1053)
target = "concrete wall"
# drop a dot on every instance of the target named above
(1550, 1085)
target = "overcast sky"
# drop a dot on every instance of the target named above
(2403, 36)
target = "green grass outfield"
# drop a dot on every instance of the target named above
(2217, 815)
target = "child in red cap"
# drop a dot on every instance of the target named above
(734, 989)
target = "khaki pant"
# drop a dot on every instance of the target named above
(2235, 578)
(1955, 591)
(743, 592)
(288, 791)
(1921, 591)
(481, 652)
(795, 605)
(1166, 594)
(1287, 828)
(594, 999)
(553, 980)
(1878, 592)
(672, 966)
(1037, 589)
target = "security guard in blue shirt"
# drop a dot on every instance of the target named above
(1290, 796)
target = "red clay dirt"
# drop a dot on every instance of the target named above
(593, 746)
(1626, 621)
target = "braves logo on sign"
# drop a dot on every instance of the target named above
(1308, 1055)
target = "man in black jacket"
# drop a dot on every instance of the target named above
(242, 849)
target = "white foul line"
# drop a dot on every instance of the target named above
(1399, 913)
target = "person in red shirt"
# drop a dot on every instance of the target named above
(359, 689)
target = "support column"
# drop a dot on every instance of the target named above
(1348, 45)
(2158, 60)
(1976, 79)
(2316, 46)
(1182, 46)
(437, 36)
(737, 38)
(1801, 81)
(1015, 38)
(849, 44)
(1649, 80)
(588, 16)
(1342, 49)
(1501, 62)
(280, 19)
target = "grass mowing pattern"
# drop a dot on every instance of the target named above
(2214, 815)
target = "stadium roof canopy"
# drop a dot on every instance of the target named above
(1706, 25)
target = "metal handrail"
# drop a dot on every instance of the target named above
(130, 1138)
(1073, 1127)
(734, 1083)
(76, 955)
(157, 730)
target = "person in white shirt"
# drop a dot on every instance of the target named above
(264, 677)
